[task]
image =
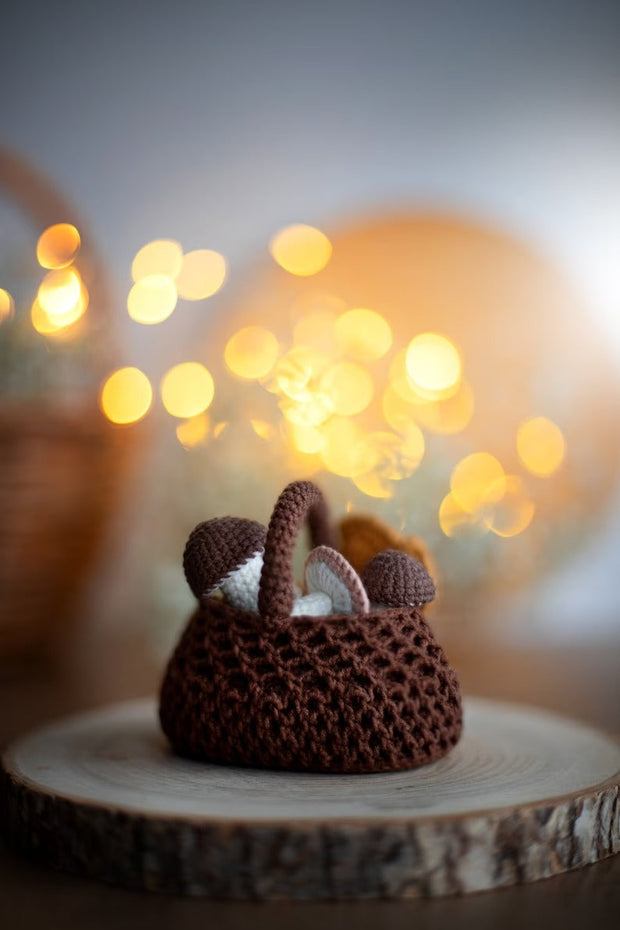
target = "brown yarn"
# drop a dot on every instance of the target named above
(342, 693)
(218, 546)
(298, 501)
(396, 579)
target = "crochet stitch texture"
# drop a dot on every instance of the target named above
(348, 693)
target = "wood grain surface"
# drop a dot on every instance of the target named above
(525, 795)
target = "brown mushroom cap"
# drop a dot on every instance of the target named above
(217, 548)
(395, 579)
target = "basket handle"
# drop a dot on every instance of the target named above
(299, 501)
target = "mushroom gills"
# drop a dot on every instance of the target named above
(328, 572)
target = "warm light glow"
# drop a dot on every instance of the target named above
(219, 428)
(152, 299)
(159, 257)
(475, 481)
(263, 429)
(383, 457)
(447, 414)
(59, 323)
(7, 305)
(202, 274)
(58, 246)
(312, 409)
(340, 437)
(41, 322)
(301, 250)
(306, 439)
(349, 388)
(316, 330)
(373, 484)
(400, 380)
(296, 370)
(433, 364)
(187, 389)
(59, 292)
(126, 395)
(541, 446)
(455, 521)
(398, 413)
(251, 353)
(363, 334)
(512, 510)
(194, 431)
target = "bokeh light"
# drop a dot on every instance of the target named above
(187, 389)
(363, 334)
(194, 431)
(41, 321)
(349, 388)
(476, 481)
(312, 409)
(152, 299)
(455, 521)
(58, 246)
(159, 257)
(126, 395)
(262, 428)
(202, 274)
(219, 428)
(60, 292)
(317, 330)
(251, 353)
(511, 510)
(447, 414)
(306, 439)
(300, 249)
(296, 371)
(433, 364)
(398, 413)
(7, 305)
(541, 446)
(381, 458)
(340, 438)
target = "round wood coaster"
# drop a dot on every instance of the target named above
(525, 794)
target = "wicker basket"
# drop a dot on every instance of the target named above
(60, 464)
(366, 692)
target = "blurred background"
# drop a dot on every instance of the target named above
(372, 244)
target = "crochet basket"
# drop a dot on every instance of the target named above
(345, 693)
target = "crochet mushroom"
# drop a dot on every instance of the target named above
(364, 535)
(328, 571)
(395, 579)
(226, 554)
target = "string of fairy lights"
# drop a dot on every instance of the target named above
(332, 406)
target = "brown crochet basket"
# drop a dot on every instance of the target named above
(339, 693)
(61, 464)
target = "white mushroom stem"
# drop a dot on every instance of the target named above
(240, 588)
(316, 604)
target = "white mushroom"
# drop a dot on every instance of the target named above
(316, 604)
(226, 554)
(328, 572)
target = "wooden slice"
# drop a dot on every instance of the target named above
(525, 794)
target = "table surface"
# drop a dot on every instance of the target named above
(581, 681)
